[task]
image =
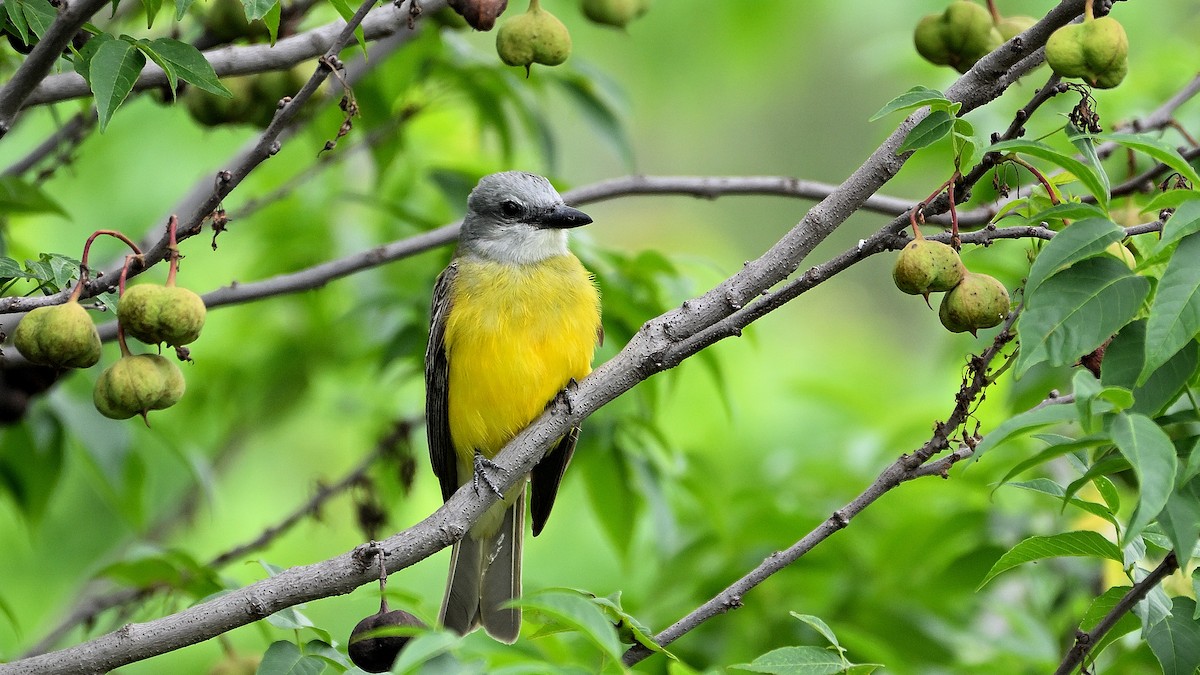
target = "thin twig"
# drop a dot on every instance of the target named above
(1085, 641)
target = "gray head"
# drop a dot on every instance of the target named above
(517, 217)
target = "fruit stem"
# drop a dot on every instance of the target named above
(536, 5)
(1037, 174)
(918, 211)
(995, 12)
(87, 251)
(1088, 12)
(173, 247)
(954, 240)
(383, 605)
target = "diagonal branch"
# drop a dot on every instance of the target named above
(657, 346)
(15, 94)
(1085, 641)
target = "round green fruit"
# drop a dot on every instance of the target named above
(156, 314)
(62, 336)
(1012, 26)
(978, 301)
(958, 37)
(925, 266)
(537, 36)
(618, 13)
(1095, 51)
(135, 385)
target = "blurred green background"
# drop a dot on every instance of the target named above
(724, 460)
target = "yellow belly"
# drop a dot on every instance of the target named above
(514, 338)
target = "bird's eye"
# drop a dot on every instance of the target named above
(510, 209)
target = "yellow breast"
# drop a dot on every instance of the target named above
(515, 336)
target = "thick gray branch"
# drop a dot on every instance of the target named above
(246, 59)
(42, 58)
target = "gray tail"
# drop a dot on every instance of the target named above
(485, 573)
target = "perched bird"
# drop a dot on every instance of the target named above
(515, 320)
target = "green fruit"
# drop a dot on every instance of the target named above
(1095, 51)
(376, 654)
(137, 384)
(925, 266)
(1118, 251)
(537, 36)
(62, 336)
(156, 314)
(958, 37)
(616, 13)
(1012, 26)
(978, 301)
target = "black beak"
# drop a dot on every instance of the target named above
(562, 217)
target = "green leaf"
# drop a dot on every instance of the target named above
(1081, 543)
(1076, 310)
(284, 658)
(21, 196)
(927, 132)
(1180, 520)
(328, 653)
(190, 65)
(964, 143)
(1122, 365)
(1078, 241)
(31, 461)
(1024, 423)
(257, 9)
(1185, 221)
(821, 627)
(1175, 640)
(17, 17)
(112, 71)
(599, 114)
(1049, 487)
(423, 648)
(1058, 446)
(152, 7)
(347, 12)
(147, 48)
(290, 618)
(1086, 147)
(610, 488)
(578, 612)
(796, 661)
(1171, 199)
(271, 19)
(913, 98)
(1175, 315)
(1099, 609)
(181, 8)
(1152, 456)
(1069, 211)
(38, 14)
(1157, 149)
(1091, 181)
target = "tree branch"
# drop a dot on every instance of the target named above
(647, 353)
(1085, 641)
(249, 59)
(906, 468)
(15, 94)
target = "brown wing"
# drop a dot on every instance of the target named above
(546, 477)
(437, 387)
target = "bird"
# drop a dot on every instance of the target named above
(515, 321)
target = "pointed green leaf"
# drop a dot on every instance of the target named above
(1175, 315)
(579, 613)
(1185, 221)
(17, 17)
(1076, 310)
(1081, 543)
(1079, 240)
(190, 65)
(1171, 199)
(151, 7)
(1175, 640)
(423, 648)
(1069, 211)
(1091, 181)
(284, 658)
(913, 98)
(39, 14)
(346, 11)
(181, 8)
(271, 19)
(796, 661)
(1087, 147)
(1049, 487)
(22, 196)
(147, 48)
(1180, 520)
(821, 627)
(257, 9)
(1157, 149)
(1024, 423)
(928, 131)
(1122, 364)
(112, 71)
(1152, 456)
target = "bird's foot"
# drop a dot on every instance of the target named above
(566, 396)
(484, 469)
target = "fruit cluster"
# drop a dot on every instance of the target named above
(964, 33)
(972, 300)
(64, 336)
